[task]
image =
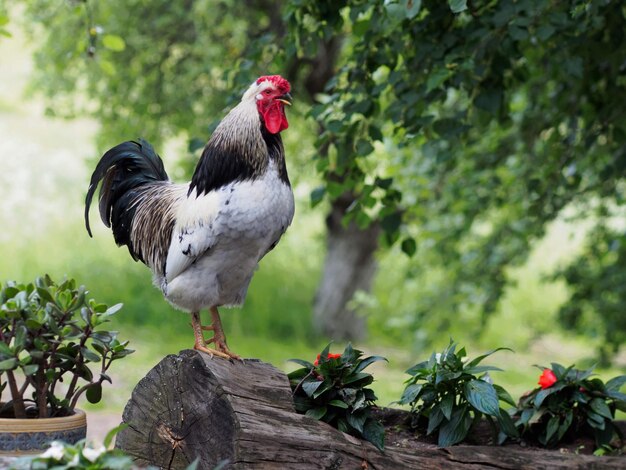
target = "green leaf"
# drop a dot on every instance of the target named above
(316, 413)
(480, 369)
(409, 246)
(482, 396)
(30, 369)
(546, 392)
(412, 7)
(5, 349)
(323, 389)
(410, 394)
(311, 386)
(434, 420)
(113, 42)
(454, 431)
(504, 396)
(446, 405)
(338, 404)
(457, 6)
(8, 364)
(44, 294)
(616, 383)
(421, 367)
(375, 133)
(489, 100)
(506, 424)
(619, 397)
(317, 195)
(358, 376)
(374, 432)
(94, 393)
(436, 78)
(564, 426)
(552, 427)
(367, 361)
(357, 420)
(20, 338)
(604, 436)
(479, 359)
(599, 406)
(112, 433)
(113, 310)
(306, 364)
(545, 31)
(90, 356)
(363, 147)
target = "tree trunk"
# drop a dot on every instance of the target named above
(349, 266)
(240, 415)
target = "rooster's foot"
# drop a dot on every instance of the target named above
(211, 352)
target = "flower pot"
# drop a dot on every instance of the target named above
(33, 436)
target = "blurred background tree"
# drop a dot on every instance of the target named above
(455, 130)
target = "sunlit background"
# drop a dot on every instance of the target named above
(45, 164)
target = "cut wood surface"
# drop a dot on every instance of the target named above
(241, 415)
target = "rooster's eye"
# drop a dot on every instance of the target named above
(267, 92)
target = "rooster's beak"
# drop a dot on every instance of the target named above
(286, 99)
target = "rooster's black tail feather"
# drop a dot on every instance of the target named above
(123, 170)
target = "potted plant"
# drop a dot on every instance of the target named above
(53, 350)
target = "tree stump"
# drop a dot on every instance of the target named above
(241, 415)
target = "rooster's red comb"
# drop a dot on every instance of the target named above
(280, 83)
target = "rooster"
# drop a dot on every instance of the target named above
(203, 239)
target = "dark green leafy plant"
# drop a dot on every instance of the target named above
(569, 402)
(49, 336)
(447, 396)
(334, 389)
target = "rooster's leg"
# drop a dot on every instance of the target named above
(219, 339)
(200, 344)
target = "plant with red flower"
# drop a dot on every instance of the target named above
(547, 379)
(334, 389)
(570, 402)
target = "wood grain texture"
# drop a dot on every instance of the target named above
(191, 406)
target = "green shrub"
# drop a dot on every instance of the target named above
(446, 393)
(334, 389)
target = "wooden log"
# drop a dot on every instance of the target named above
(241, 414)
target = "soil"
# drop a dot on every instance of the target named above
(400, 434)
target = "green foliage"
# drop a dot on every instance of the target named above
(50, 333)
(447, 393)
(170, 73)
(569, 404)
(483, 118)
(597, 280)
(334, 389)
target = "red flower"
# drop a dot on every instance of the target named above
(330, 356)
(547, 379)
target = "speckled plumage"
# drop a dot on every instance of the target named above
(202, 240)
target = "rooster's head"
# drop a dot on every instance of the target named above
(271, 93)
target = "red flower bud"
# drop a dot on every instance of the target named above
(547, 379)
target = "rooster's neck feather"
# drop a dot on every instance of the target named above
(240, 149)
